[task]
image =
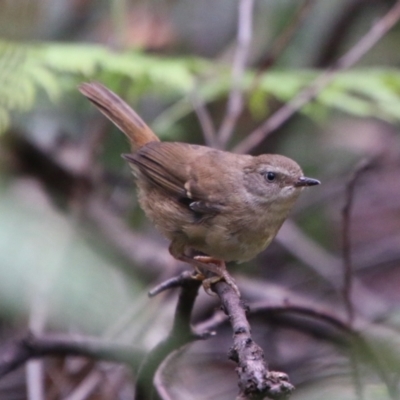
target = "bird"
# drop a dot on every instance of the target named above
(213, 206)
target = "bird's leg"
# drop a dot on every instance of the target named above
(218, 267)
(204, 262)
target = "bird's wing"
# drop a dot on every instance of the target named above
(178, 169)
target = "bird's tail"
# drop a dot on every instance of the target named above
(115, 109)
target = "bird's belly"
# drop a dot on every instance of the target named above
(224, 242)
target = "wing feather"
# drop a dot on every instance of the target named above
(165, 165)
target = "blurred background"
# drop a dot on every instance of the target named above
(77, 255)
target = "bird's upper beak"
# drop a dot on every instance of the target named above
(303, 181)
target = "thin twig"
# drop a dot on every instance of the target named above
(207, 125)
(277, 119)
(347, 261)
(283, 40)
(327, 316)
(349, 15)
(235, 100)
(174, 282)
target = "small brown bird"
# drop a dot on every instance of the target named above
(213, 205)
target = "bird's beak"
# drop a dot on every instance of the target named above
(303, 181)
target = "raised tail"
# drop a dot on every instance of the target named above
(115, 109)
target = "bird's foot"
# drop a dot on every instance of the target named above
(218, 267)
(206, 282)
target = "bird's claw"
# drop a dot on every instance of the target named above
(219, 269)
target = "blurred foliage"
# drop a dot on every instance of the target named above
(45, 255)
(27, 68)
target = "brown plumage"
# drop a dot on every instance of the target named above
(115, 109)
(213, 205)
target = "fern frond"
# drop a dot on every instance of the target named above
(26, 69)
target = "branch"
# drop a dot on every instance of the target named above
(207, 125)
(17, 352)
(346, 213)
(310, 92)
(283, 40)
(349, 15)
(255, 380)
(235, 100)
(327, 316)
(177, 281)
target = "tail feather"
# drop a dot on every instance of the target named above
(119, 112)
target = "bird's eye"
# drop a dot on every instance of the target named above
(270, 176)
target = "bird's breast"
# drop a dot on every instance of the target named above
(236, 237)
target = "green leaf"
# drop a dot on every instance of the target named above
(28, 68)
